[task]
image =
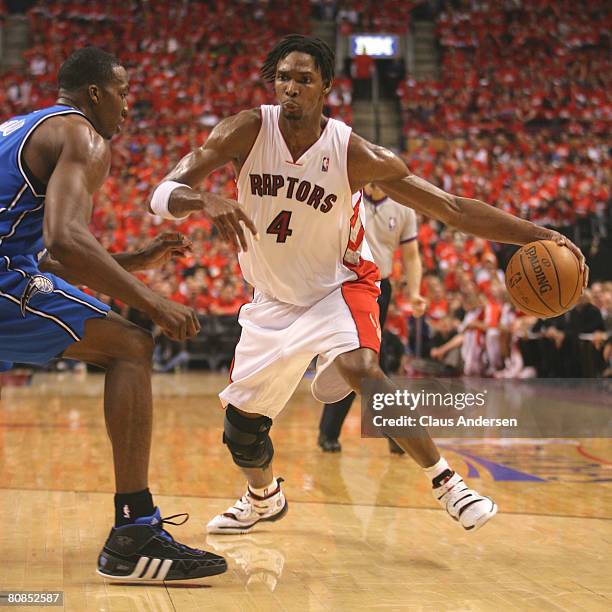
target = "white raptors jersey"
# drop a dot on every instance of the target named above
(311, 227)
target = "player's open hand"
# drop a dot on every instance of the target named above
(228, 216)
(563, 241)
(162, 248)
(176, 321)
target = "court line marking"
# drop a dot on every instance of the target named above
(314, 502)
(588, 455)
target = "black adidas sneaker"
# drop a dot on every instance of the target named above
(144, 550)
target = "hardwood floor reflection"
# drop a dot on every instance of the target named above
(362, 532)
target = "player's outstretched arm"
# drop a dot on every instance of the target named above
(153, 255)
(230, 141)
(370, 163)
(80, 170)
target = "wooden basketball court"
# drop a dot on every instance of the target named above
(362, 531)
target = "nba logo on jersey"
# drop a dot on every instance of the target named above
(392, 223)
(325, 164)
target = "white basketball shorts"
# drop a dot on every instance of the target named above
(279, 341)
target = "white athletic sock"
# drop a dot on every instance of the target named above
(438, 468)
(265, 491)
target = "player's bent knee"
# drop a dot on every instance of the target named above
(354, 374)
(248, 439)
(140, 344)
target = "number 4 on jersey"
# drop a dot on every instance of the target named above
(280, 226)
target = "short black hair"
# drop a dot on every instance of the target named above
(87, 66)
(320, 51)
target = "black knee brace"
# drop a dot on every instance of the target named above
(248, 439)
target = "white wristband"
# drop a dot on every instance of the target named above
(161, 199)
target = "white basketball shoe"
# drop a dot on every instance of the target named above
(470, 509)
(249, 510)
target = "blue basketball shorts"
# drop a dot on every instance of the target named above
(41, 315)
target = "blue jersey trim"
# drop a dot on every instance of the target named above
(15, 199)
(10, 269)
(45, 315)
(69, 111)
(83, 302)
(20, 218)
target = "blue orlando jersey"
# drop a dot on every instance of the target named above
(40, 314)
(21, 198)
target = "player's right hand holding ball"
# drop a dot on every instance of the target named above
(562, 240)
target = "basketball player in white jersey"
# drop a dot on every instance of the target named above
(299, 178)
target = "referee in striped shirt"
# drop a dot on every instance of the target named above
(388, 225)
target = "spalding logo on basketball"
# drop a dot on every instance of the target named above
(538, 267)
(544, 279)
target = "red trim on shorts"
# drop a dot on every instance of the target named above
(361, 297)
(231, 369)
(361, 294)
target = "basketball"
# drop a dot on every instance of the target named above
(544, 279)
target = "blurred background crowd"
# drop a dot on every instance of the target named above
(519, 116)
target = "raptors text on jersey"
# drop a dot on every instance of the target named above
(311, 225)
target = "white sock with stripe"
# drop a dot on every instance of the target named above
(264, 491)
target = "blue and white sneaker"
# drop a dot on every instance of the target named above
(145, 551)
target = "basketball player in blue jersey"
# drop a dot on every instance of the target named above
(51, 163)
(299, 177)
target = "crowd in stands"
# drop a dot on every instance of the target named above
(518, 118)
(523, 103)
(526, 85)
(391, 16)
(516, 64)
(366, 15)
(550, 179)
